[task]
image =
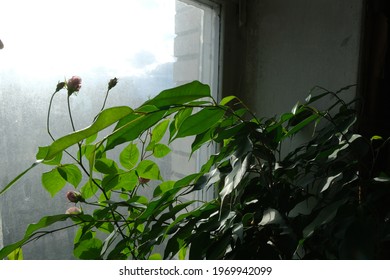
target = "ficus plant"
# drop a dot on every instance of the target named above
(323, 199)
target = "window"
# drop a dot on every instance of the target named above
(149, 45)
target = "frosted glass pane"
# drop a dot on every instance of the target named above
(139, 41)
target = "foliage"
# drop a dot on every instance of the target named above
(321, 200)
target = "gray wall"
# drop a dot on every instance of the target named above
(286, 47)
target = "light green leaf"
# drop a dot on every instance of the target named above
(71, 173)
(88, 249)
(89, 189)
(178, 120)
(159, 130)
(16, 255)
(91, 139)
(42, 152)
(161, 150)
(163, 187)
(104, 120)
(376, 137)
(149, 170)
(155, 257)
(227, 99)
(53, 182)
(129, 156)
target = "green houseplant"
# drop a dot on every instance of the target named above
(321, 200)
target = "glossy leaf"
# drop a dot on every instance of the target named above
(105, 119)
(148, 169)
(227, 99)
(180, 95)
(163, 187)
(89, 249)
(159, 131)
(30, 233)
(200, 122)
(90, 188)
(53, 182)
(161, 150)
(129, 156)
(106, 166)
(132, 126)
(71, 173)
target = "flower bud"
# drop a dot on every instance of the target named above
(60, 86)
(73, 84)
(112, 83)
(73, 211)
(143, 180)
(74, 196)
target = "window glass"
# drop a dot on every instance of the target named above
(149, 45)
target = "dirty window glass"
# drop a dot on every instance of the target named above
(149, 45)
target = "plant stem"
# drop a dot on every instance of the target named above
(105, 100)
(48, 116)
(74, 129)
(70, 113)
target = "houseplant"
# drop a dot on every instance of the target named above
(323, 199)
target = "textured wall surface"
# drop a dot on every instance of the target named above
(291, 46)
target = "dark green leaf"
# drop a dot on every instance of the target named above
(106, 166)
(180, 95)
(132, 126)
(200, 122)
(301, 125)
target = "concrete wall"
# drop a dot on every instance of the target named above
(286, 47)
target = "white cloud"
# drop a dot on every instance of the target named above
(46, 37)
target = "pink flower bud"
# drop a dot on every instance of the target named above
(74, 196)
(73, 211)
(143, 180)
(73, 84)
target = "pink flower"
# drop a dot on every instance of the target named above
(73, 211)
(74, 196)
(73, 84)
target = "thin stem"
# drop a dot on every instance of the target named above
(70, 114)
(105, 100)
(48, 124)
(74, 129)
(104, 105)
(48, 116)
